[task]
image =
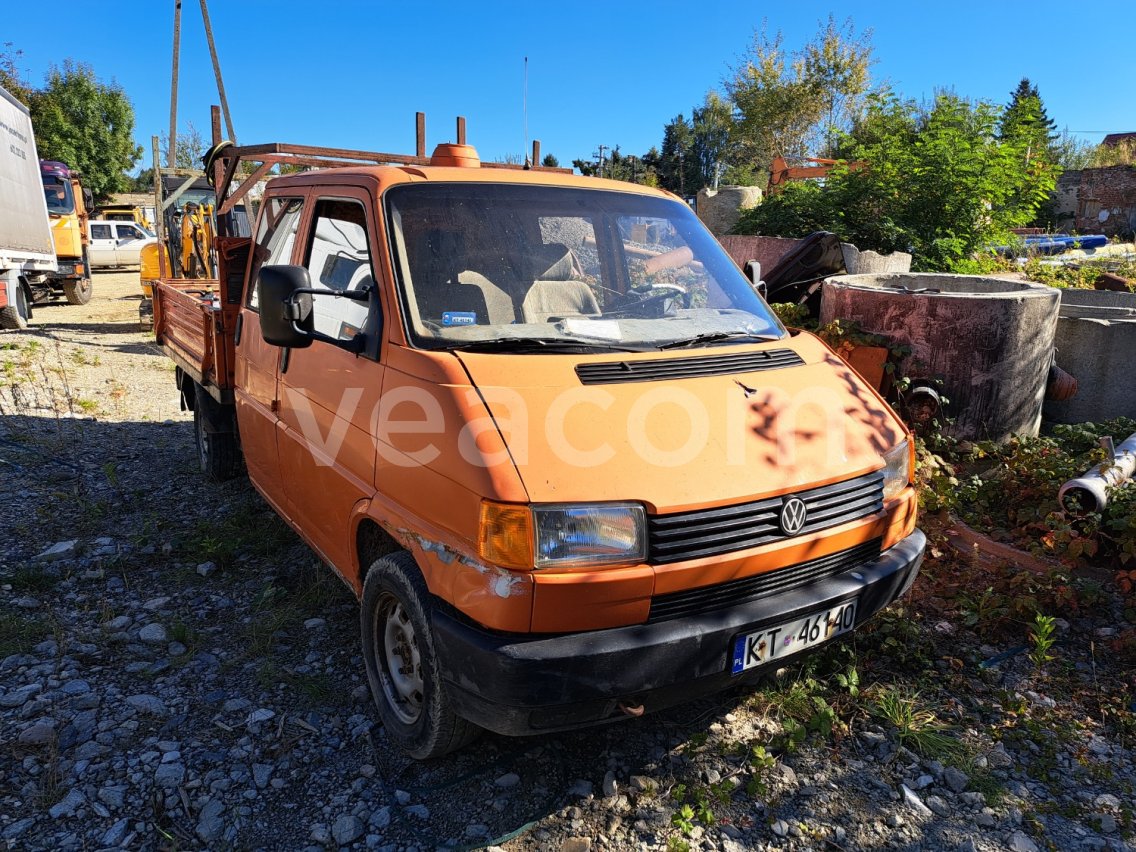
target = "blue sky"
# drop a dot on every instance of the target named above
(352, 73)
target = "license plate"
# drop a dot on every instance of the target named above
(776, 643)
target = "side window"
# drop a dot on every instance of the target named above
(339, 258)
(274, 239)
(101, 232)
(127, 232)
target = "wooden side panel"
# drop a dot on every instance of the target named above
(193, 331)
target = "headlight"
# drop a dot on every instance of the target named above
(590, 535)
(559, 536)
(897, 469)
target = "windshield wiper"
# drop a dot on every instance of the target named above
(715, 336)
(539, 344)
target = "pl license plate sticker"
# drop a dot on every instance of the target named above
(459, 318)
(776, 643)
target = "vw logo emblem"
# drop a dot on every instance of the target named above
(793, 515)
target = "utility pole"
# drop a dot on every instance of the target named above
(681, 174)
(602, 149)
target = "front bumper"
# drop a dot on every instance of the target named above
(522, 684)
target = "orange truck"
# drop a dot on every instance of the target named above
(566, 457)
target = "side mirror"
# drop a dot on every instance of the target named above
(285, 315)
(753, 273)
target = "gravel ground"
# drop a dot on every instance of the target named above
(177, 671)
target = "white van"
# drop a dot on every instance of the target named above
(116, 243)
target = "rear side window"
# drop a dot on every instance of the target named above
(274, 239)
(101, 232)
(338, 258)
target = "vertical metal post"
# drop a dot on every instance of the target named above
(159, 213)
(174, 88)
(218, 168)
(420, 134)
(217, 70)
(461, 130)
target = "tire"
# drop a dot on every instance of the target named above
(16, 316)
(146, 315)
(218, 453)
(402, 666)
(78, 292)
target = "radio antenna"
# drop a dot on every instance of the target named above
(525, 110)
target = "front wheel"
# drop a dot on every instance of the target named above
(78, 292)
(402, 666)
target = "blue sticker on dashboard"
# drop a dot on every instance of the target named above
(459, 318)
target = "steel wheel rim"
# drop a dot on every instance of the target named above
(398, 659)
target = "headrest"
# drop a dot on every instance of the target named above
(555, 262)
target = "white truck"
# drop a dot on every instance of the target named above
(27, 252)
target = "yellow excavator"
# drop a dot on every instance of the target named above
(189, 232)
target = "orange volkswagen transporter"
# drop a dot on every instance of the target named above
(565, 455)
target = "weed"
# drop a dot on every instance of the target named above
(32, 580)
(849, 681)
(318, 689)
(677, 844)
(88, 406)
(683, 819)
(18, 633)
(917, 728)
(1042, 639)
(762, 762)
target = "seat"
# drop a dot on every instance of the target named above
(554, 299)
(455, 302)
(557, 292)
(498, 305)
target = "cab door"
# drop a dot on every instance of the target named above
(328, 394)
(128, 244)
(102, 245)
(256, 363)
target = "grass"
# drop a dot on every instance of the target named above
(31, 580)
(916, 727)
(282, 610)
(20, 633)
(319, 689)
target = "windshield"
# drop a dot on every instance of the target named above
(487, 265)
(60, 199)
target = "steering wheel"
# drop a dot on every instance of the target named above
(651, 301)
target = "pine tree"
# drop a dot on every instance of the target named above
(1026, 121)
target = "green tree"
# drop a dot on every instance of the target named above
(711, 128)
(837, 64)
(10, 76)
(1025, 120)
(87, 124)
(794, 103)
(189, 151)
(619, 166)
(938, 182)
(550, 162)
(678, 170)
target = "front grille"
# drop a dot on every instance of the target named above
(735, 592)
(706, 532)
(621, 372)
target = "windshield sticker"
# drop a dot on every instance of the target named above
(601, 329)
(459, 318)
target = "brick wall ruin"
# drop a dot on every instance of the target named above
(1097, 201)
